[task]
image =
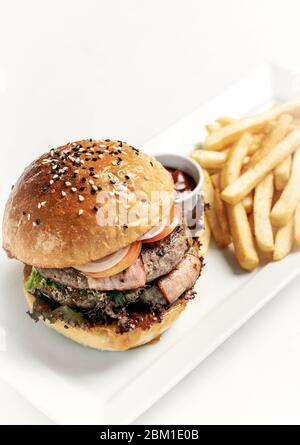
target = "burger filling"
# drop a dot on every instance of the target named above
(164, 272)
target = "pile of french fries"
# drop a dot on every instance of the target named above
(252, 184)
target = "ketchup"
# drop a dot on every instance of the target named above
(183, 182)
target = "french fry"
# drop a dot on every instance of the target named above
(204, 238)
(248, 203)
(222, 216)
(282, 173)
(211, 128)
(242, 237)
(236, 191)
(285, 207)
(209, 159)
(297, 224)
(263, 197)
(225, 120)
(215, 179)
(232, 168)
(257, 140)
(273, 138)
(230, 133)
(220, 237)
(284, 241)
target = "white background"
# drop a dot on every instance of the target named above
(127, 69)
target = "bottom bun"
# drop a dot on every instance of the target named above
(105, 338)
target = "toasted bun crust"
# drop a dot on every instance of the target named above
(105, 338)
(51, 221)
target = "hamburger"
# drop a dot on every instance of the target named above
(108, 262)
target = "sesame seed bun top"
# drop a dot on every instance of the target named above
(83, 201)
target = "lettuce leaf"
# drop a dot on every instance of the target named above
(36, 281)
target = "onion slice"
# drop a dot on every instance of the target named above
(105, 263)
(156, 230)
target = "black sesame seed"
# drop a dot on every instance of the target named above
(151, 163)
(125, 226)
(95, 209)
(88, 159)
(92, 174)
(38, 221)
(127, 177)
(93, 191)
(83, 179)
(84, 151)
(74, 175)
(24, 213)
(112, 181)
(107, 140)
(94, 159)
(82, 188)
(45, 189)
(91, 140)
(91, 168)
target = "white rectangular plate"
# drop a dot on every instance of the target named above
(72, 384)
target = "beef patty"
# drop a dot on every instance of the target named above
(159, 259)
(104, 307)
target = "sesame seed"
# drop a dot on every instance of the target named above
(81, 198)
(55, 177)
(94, 187)
(68, 183)
(39, 205)
(43, 203)
(80, 212)
(96, 176)
(102, 145)
(74, 189)
(91, 181)
(28, 216)
(34, 223)
(63, 193)
(100, 156)
(51, 181)
(76, 171)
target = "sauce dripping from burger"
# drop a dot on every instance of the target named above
(183, 182)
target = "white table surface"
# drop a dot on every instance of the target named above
(128, 69)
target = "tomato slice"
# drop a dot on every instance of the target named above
(164, 233)
(132, 255)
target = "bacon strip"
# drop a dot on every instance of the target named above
(182, 278)
(131, 278)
